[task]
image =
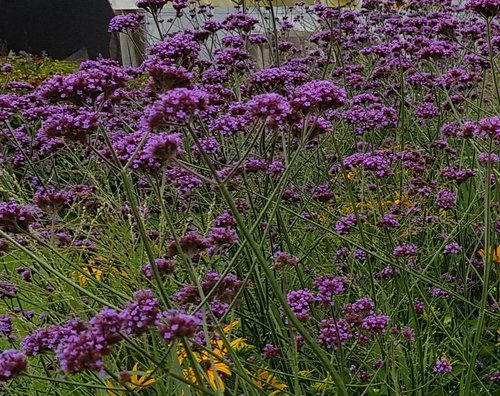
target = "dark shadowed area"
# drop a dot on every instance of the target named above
(57, 27)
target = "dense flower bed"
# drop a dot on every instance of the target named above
(200, 225)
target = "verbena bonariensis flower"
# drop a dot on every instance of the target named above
(95, 80)
(239, 21)
(299, 301)
(137, 316)
(163, 147)
(5, 325)
(333, 333)
(228, 287)
(166, 76)
(107, 322)
(7, 289)
(181, 49)
(25, 273)
(318, 94)
(48, 338)
(282, 259)
(452, 248)
(175, 323)
(328, 286)
(375, 323)
(12, 364)
(51, 201)
(442, 366)
(407, 250)
(270, 351)
(176, 106)
(191, 243)
(130, 22)
(70, 122)
(445, 199)
(165, 267)
(272, 108)
(355, 312)
(82, 351)
(15, 217)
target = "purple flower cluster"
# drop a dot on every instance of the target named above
(12, 364)
(130, 22)
(174, 324)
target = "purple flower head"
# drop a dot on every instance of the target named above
(488, 158)
(270, 351)
(163, 147)
(5, 325)
(239, 21)
(333, 333)
(12, 363)
(408, 333)
(407, 250)
(51, 201)
(48, 338)
(176, 323)
(445, 199)
(299, 301)
(107, 323)
(452, 248)
(328, 287)
(191, 243)
(178, 105)
(130, 22)
(442, 366)
(7, 289)
(15, 217)
(283, 259)
(320, 94)
(355, 313)
(375, 323)
(165, 267)
(272, 108)
(139, 315)
(151, 5)
(82, 351)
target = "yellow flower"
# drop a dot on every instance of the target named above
(267, 381)
(495, 252)
(135, 382)
(91, 271)
(498, 343)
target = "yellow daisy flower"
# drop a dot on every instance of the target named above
(495, 252)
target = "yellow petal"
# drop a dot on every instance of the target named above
(230, 326)
(215, 381)
(222, 368)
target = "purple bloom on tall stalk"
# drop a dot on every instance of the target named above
(333, 333)
(165, 267)
(125, 23)
(299, 301)
(445, 199)
(83, 351)
(15, 217)
(12, 363)
(7, 289)
(139, 315)
(176, 323)
(272, 108)
(442, 366)
(107, 323)
(178, 105)
(319, 94)
(328, 287)
(452, 248)
(375, 323)
(5, 325)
